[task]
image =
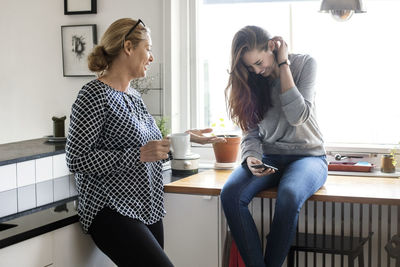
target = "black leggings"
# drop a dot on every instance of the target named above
(127, 241)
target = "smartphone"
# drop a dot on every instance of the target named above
(264, 166)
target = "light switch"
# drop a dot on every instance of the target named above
(25, 173)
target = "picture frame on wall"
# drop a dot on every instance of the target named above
(77, 42)
(77, 7)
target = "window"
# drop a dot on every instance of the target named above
(358, 94)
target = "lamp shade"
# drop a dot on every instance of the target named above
(354, 5)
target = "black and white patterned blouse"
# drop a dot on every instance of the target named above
(106, 131)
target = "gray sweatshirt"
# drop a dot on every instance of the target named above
(290, 126)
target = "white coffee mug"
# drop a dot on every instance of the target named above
(180, 144)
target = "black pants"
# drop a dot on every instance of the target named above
(129, 242)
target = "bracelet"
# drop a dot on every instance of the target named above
(283, 63)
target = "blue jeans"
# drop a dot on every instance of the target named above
(298, 178)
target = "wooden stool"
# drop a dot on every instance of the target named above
(342, 245)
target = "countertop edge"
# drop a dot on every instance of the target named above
(215, 181)
(16, 152)
(38, 231)
(27, 158)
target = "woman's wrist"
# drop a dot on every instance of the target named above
(284, 62)
(286, 77)
(283, 65)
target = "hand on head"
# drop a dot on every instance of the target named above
(281, 48)
(197, 136)
(155, 150)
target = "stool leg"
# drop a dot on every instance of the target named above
(350, 259)
(290, 258)
(361, 258)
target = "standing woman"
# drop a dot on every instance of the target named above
(270, 95)
(116, 150)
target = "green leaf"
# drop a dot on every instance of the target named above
(162, 124)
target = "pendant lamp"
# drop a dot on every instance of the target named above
(342, 10)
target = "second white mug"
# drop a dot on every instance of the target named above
(180, 144)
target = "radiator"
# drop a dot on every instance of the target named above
(341, 219)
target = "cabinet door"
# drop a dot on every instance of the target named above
(34, 252)
(73, 248)
(191, 230)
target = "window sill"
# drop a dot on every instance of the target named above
(334, 147)
(374, 173)
(370, 153)
(359, 148)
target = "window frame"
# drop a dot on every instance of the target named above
(187, 12)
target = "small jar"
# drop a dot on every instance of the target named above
(58, 126)
(387, 165)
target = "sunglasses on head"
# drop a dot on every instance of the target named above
(133, 28)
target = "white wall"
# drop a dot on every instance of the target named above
(32, 86)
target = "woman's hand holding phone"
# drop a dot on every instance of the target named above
(252, 161)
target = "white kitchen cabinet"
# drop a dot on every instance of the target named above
(34, 252)
(193, 230)
(60, 168)
(74, 248)
(25, 173)
(64, 247)
(44, 169)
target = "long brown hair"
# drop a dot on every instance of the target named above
(247, 94)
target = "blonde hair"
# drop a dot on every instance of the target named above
(112, 42)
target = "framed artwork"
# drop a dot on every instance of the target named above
(77, 42)
(76, 7)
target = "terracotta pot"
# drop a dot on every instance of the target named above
(227, 152)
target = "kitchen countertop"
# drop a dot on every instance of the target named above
(28, 150)
(22, 226)
(30, 223)
(356, 189)
(350, 189)
(207, 182)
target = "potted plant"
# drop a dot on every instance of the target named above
(226, 152)
(389, 162)
(162, 125)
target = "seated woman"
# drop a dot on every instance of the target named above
(270, 96)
